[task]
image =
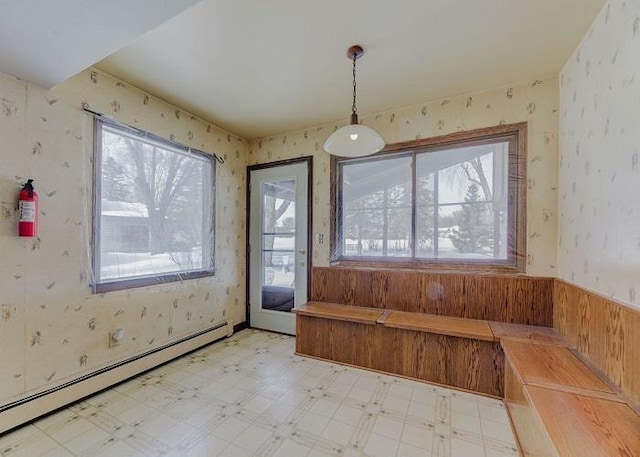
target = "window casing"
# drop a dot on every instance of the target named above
(454, 202)
(153, 209)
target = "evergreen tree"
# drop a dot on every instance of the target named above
(474, 234)
(424, 216)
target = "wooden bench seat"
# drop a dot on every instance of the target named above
(358, 314)
(585, 426)
(560, 407)
(555, 367)
(528, 333)
(441, 325)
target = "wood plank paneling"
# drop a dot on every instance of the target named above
(605, 332)
(529, 301)
(502, 298)
(631, 366)
(312, 338)
(340, 341)
(465, 363)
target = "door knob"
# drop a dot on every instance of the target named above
(302, 251)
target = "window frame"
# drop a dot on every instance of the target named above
(142, 280)
(516, 205)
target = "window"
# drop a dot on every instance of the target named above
(451, 201)
(153, 218)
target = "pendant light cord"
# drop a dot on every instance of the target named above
(354, 110)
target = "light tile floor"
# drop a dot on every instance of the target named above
(250, 396)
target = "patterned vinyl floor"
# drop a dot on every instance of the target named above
(250, 396)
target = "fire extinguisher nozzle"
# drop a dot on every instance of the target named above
(29, 187)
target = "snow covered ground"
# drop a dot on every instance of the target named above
(120, 265)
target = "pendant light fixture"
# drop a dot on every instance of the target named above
(354, 140)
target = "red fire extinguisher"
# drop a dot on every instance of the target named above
(28, 207)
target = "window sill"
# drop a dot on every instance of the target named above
(435, 267)
(146, 281)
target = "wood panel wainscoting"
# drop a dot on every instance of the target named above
(465, 363)
(502, 298)
(605, 332)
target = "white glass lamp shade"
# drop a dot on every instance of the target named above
(354, 140)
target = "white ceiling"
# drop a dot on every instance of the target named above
(48, 41)
(258, 67)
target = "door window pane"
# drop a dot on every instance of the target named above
(278, 244)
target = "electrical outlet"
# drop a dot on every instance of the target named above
(115, 337)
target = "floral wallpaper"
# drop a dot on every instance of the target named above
(599, 200)
(535, 102)
(52, 327)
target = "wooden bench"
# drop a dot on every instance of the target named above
(337, 332)
(457, 352)
(560, 407)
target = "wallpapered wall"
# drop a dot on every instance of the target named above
(599, 225)
(535, 102)
(51, 326)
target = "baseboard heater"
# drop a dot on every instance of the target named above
(26, 409)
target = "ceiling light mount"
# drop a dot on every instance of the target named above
(356, 51)
(354, 140)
